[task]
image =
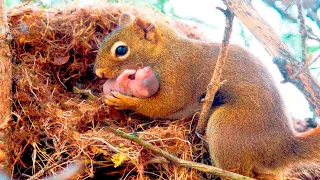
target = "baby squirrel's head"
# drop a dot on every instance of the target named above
(136, 42)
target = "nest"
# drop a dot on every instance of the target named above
(54, 126)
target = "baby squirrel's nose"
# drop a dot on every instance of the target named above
(99, 72)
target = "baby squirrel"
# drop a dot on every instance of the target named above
(141, 83)
(248, 130)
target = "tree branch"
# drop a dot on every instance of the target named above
(5, 88)
(303, 30)
(215, 83)
(283, 58)
(176, 160)
(289, 17)
(312, 13)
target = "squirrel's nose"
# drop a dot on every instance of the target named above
(99, 72)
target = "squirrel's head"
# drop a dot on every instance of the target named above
(134, 43)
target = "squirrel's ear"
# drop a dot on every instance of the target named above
(125, 18)
(147, 28)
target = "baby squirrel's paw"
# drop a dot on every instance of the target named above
(120, 101)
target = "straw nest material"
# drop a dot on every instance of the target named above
(56, 124)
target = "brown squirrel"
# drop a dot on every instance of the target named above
(248, 131)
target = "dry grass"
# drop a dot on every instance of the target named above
(54, 50)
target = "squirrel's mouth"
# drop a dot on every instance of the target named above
(101, 72)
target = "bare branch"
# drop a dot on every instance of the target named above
(303, 31)
(181, 162)
(291, 18)
(305, 67)
(313, 38)
(216, 77)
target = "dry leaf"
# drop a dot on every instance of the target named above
(118, 159)
(60, 60)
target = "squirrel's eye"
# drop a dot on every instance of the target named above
(121, 50)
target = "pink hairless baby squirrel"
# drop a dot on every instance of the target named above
(141, 83)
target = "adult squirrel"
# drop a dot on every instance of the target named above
(248, 131)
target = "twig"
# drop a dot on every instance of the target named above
(313, 37)
(289, 17)
(41, 172)
(69, 172)
(176, 160)
(304, 67)
(289, 5)
(84, 92)
(312, 13)
(303, 31)
(215, 83)
(282, 12)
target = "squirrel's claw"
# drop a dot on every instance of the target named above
(120, 101)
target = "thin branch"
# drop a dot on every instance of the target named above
(281, 11)
(288, 6)
(313, 37)
(188, 164)
(69, 172)
(314, 60)
(303, 31)
(289, 17)
(312, 13)
(215, 83)
(305, 67)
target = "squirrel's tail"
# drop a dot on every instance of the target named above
(308, 147)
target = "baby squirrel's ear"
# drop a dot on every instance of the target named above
(147, 29)
(125, 18)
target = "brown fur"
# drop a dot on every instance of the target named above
(248, 131)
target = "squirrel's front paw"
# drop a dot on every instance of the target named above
(120, 101)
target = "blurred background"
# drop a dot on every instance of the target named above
(281, 15)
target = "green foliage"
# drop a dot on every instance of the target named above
(294, 42)
(313, 49)
(10, 3)
(160, 5)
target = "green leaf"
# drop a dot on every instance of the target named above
(294, 42)
(312, 49)
(160, 5)
(10, 3)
